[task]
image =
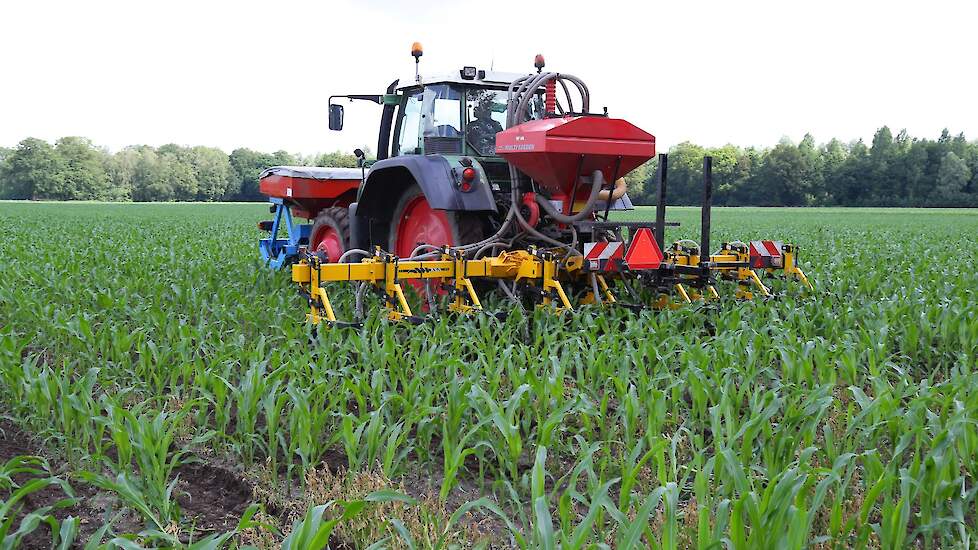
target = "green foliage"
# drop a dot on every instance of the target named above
(13, 497)
(34, 170)
(84, 172)
(953, 175)
(247, 165)
(74, 169)
(895, 171)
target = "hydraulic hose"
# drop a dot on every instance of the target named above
(521, 92)
(597, 181)
(353, 252)
(571, 248)
(594, 288)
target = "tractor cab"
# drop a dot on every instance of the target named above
(454, 114)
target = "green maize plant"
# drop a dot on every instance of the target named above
(13, 496)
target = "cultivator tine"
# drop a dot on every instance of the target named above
(681, 290)
(594, 295)
(429, 296)
(320, 307)
(600, 292)
(465, 298)
(791, 268)
(603, 284)
(757, 282)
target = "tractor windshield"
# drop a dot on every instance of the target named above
(431, 120)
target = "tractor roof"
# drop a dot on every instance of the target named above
(491, 78)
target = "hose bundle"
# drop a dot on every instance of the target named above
(521, 92)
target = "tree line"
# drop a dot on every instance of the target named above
(891, 171)
(73, 168)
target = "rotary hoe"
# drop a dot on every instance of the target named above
(495, 182)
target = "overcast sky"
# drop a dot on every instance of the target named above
(258, 74)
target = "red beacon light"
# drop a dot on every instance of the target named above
(538, 62)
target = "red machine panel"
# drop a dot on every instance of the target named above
(309, 189)
(550, 150)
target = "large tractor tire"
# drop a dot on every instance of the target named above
(414, 222)
(331, 233)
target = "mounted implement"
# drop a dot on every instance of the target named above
(487, 177)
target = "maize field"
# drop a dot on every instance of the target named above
(159, 388)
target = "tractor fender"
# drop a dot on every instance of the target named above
(435, 174)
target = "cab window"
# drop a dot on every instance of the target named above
(409, 141)
(441, 111)
(441, 120)
(485, 116)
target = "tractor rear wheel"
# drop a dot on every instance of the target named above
(414, 222)
(331, 233)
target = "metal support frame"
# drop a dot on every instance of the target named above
(660, 205)
(705, 212)
(277, 252)
(539, 268)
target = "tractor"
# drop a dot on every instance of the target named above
(505, 177)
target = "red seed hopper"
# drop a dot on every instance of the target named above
(555, 151)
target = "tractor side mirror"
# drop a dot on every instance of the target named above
(336, 117)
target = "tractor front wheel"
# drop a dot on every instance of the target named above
(331, 233)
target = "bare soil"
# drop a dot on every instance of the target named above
(212, 499)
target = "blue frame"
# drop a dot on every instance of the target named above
(278, 252)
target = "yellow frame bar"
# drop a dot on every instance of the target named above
(541, 268)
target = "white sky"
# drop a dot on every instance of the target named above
(232, 74)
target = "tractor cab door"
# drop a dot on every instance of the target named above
(431, 122)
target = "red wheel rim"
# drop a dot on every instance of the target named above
(419, 224)
(328, 240)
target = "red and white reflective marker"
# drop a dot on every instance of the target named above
(643, 252)
(603, 256)
(764, 254)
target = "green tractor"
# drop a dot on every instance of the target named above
(438, 180)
